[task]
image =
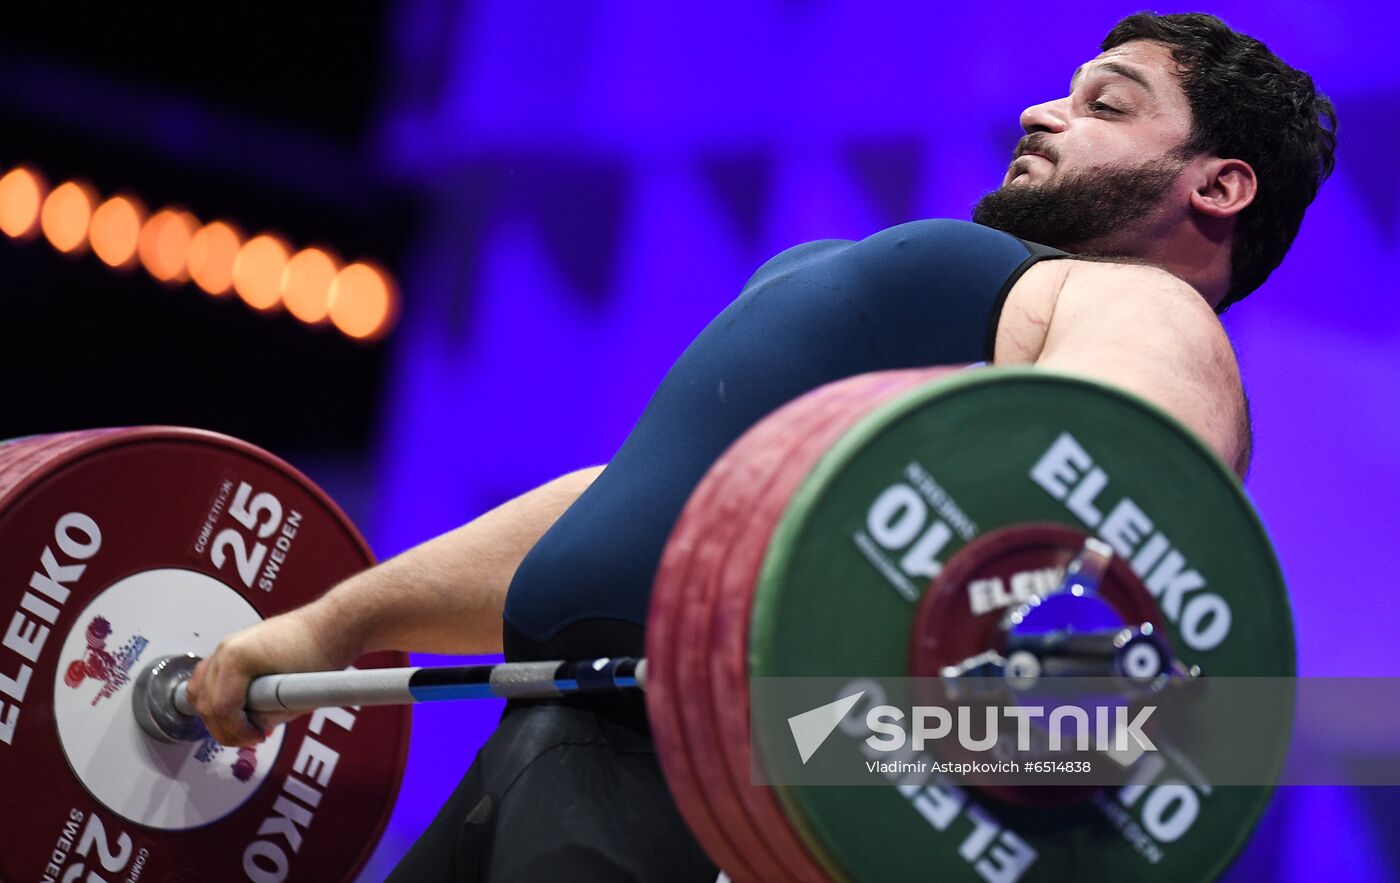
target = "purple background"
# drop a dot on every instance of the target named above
(604, 178)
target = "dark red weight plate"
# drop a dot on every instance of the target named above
(752, 477)
(739, 575)
(121, 546)
(666, 689)
(678, 631)
(713, 717)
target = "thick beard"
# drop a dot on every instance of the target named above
(1084, 208)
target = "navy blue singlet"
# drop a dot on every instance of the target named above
(920, 294)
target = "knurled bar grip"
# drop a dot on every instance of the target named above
(304, 691)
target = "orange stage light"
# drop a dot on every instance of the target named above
(21, 194)
(164, 244)
(115, 231)
(65, 216)
(306, 285)
(359, 299)
(362, 303)
(212, 252)
(257, 271)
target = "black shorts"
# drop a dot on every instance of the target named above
(559, 792)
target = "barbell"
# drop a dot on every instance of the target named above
(899, 524)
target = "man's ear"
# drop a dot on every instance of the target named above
(1225, 188)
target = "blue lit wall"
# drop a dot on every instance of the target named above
(601, 178)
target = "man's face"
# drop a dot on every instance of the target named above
(1099, 167)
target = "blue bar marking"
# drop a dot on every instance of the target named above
(435, 693)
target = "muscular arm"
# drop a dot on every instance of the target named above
(444, 596)
(1139, 328)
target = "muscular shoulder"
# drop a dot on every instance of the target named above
(1138, 327)
(1095, 292)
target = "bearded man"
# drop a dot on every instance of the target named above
(1164, 187)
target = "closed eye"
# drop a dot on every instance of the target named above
(1100, 107)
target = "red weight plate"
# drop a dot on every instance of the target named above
(749, 474)
(123, 546)
(713, 718)
(19, 457)
(677, 695)
(742, 565)
(665, 689)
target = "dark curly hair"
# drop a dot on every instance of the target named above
(1247, 104)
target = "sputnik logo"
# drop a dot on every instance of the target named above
(100, 664)
(810, 728)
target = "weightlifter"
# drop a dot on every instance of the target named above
(1163, 188)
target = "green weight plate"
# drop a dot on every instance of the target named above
(897, 496)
